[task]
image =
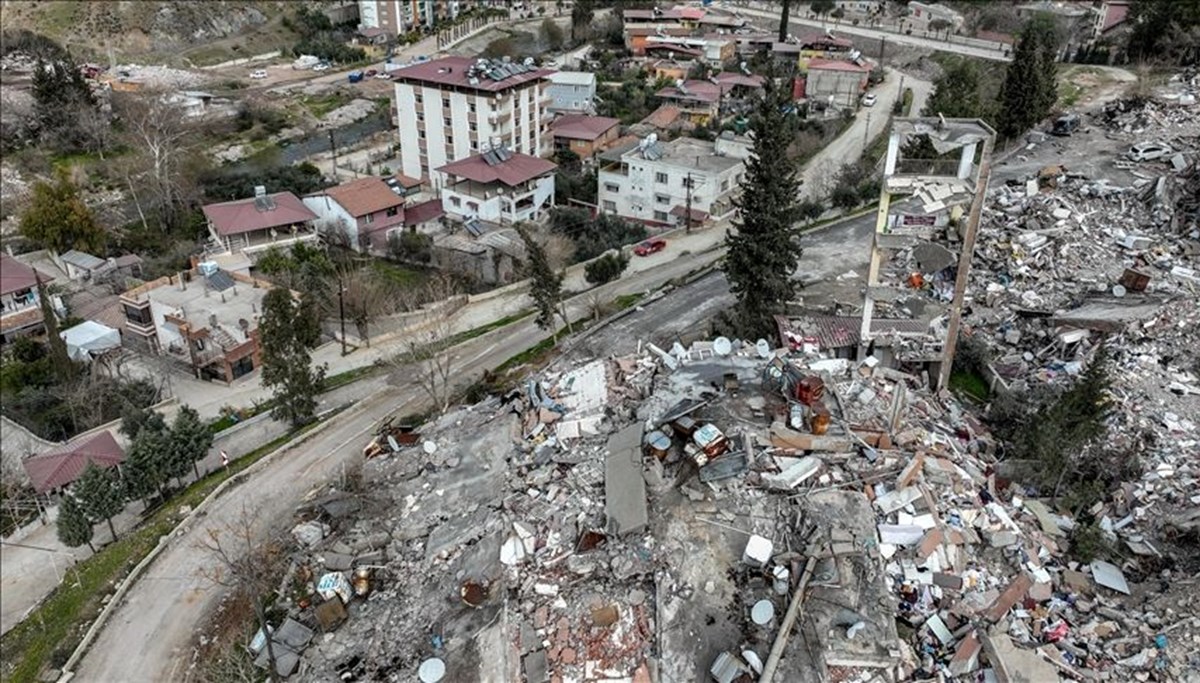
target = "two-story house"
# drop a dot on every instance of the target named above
(451, 108)
(20, 310)
(584, 135)
(654, 182)
(205, 318)
(571, 92)
(360, 213)
(499, 186)
(251, 226)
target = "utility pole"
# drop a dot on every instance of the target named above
(342, 312)
(867, 133)
(688, 213)
(333, 153)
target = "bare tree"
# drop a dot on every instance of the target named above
(365, 298)
(243, 561)
(157, 129)
(428, 360)
(559, 250)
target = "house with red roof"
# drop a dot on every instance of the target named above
(835, 81)
(584, 135)
(251, 226)
(697, 100)
(20, 310)
(499, 186)
(59, 467)
(360, 213)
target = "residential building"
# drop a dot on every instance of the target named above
(483, 251)
(251, 226)
(205, 318)
(714, 49)
(402, 16)
(448, 109)
(59, 467)
(359, 214)
(80, 265)
(923, 14)
(498, 186)
(20, 309)
(1109, 15)
(584, 135)
(698, 101)
(636, 37)
(835, 82)
(425, 217)
(670, 69)
(654, 182)
(804, 46)
(861, 6)
(572, 92)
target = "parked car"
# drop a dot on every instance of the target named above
(383, 74)
(371, 73)
(1065, 124)
(322, 66)
(1148, 151)
(258, 74)
(650, 246)
(355, 76)
(868, 100)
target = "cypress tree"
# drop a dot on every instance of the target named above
(190, 439)
(764, 250)
(287, 329)
(101, 495)
(144, 471)
(545, 285)
(74, 527)
(1030, 85)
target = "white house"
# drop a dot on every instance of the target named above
(448, 109)
(572, 92)
(365, 211)
(649, 180)
(498, 185)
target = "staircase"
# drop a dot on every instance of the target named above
(222, 338)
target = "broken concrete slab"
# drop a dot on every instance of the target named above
(624, 485)
(793, 474)
(1011, 595)
(1109, 575)
(1014, 665)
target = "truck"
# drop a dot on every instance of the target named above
(355, 76)
(306, 62)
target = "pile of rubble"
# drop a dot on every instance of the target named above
(722, 510)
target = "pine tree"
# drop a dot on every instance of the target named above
(135, 419)
(545, 285)
(64, 367)
(286, 332)
(74, 527)
(144, 470)
(101, 494)
(764, 250)
(1030, 85)
(190, 440)
(57, 218)
(956, 93)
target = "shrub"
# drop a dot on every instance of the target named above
(606, 268)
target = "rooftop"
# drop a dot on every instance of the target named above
(228, 298)
(16, 276)
(684, 151)
(572, 78)
(415, 214)
(365, 196)
(489, 75)
(60, 466)
(503, 166)
(836, 65)
(580, 127)
(693, 91)
(257, 213)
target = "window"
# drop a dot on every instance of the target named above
(612, 187)
(724, 184)
(393, 211)
(471, 107)
(660, 178)
(369, 218)
(474, 127)
(609, 206)
(449, 139)
(141, 316)
(419, 98)
(474, 145)
(687, 181)
(472, 207)
(446, 120)
(446, 102)
(420, 116)
(660, 216)
(662, 199)
(421, 134)
(455, 201)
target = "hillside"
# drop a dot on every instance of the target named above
(182, 33)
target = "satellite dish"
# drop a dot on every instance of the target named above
(763, 612)
(430, 447)
(1118, 291)
(431, 670)
(763, 347)
(722, 346)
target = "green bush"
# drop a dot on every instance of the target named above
(410, 245)
(606, 268)
(594, 236)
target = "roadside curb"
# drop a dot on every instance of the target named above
(183, 526)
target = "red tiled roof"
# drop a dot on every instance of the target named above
(698, 216)
(453, 71)
(651, 15)
(674, 49)
(242, 215)
(517, 169)
(1115, 13)
(697, 91)
(407, 182)
(365, 196)
(424, 212)
(16, 276)
(61, 466)
(655, 30)
(823, 39)
(729, 79)
(690, 13)
(836, 65)
(581, 127)
(662, 117)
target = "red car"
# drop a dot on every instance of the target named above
(651, 246)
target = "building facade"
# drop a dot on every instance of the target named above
(252, 226)
(448, 109)
(402, 16)
(584, 135)
(650, 181)
(361, 213)
(20, 308)
(497, 186)
(571, 92)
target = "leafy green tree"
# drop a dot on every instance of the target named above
(552, 34)
(74, 527)
(64, 367)
(101, 494)
(545, 285)
(134, 420)
(784, 17)
(582, 13)
(956, 92)
(1164, 30)
(1030, 84)
(606, 268)
(288, 329)
(765, 250)
(822, 7)
(144, 470)
(190, 440)
(61, 97)
(58, 220)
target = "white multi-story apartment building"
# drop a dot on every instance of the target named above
(649, 181)
(401, 16)
(448, 109)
